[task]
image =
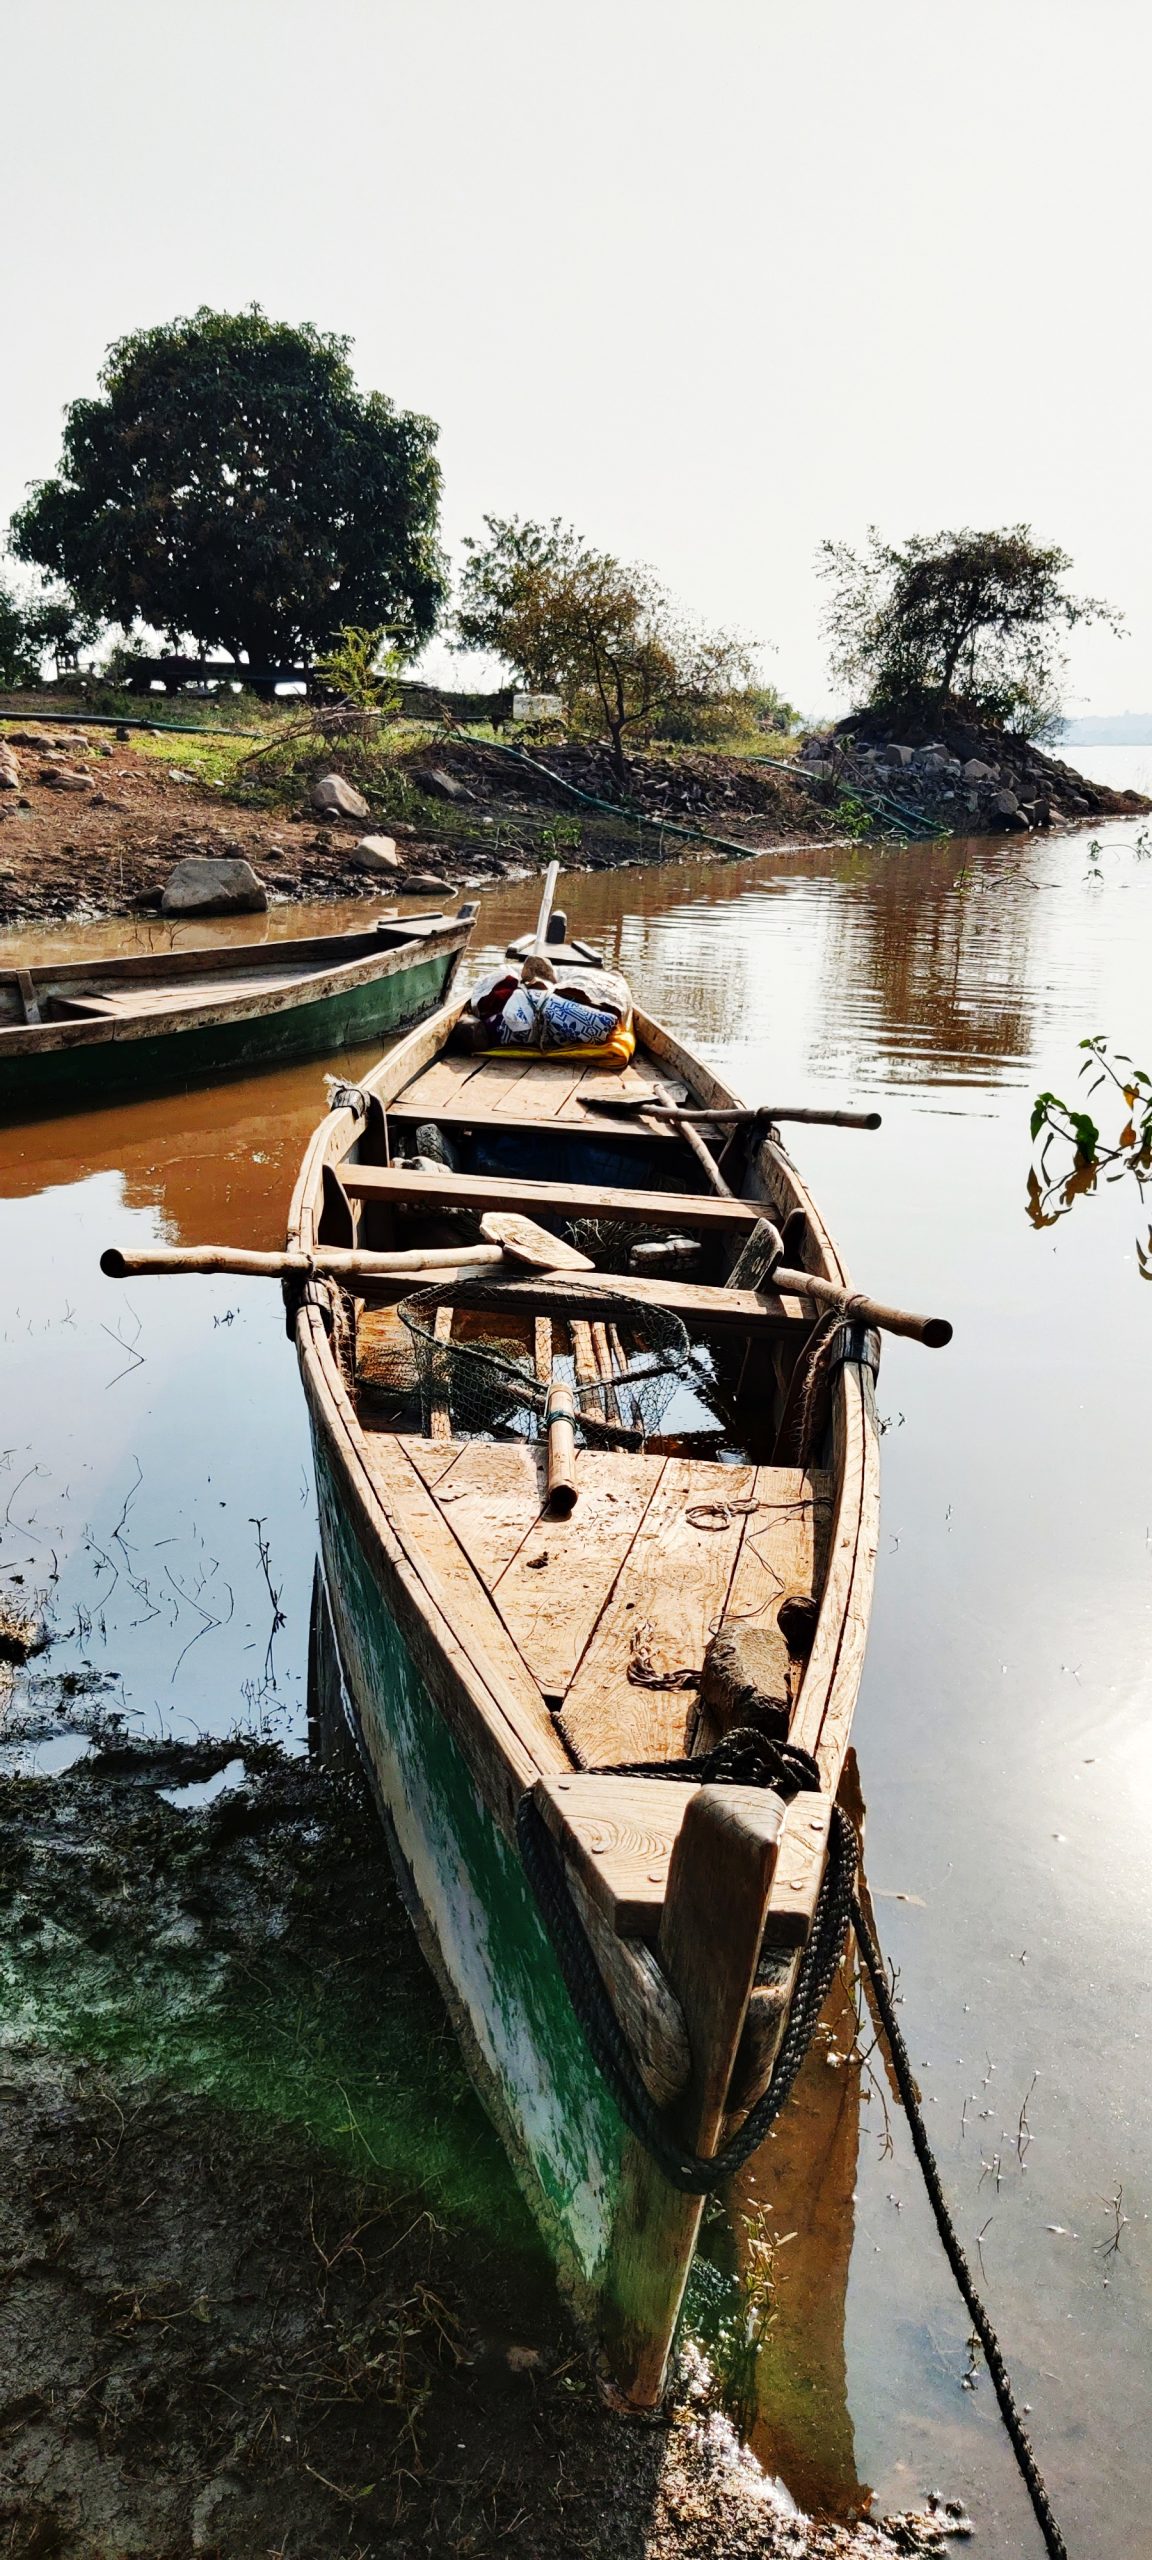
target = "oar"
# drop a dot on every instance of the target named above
(767, 1244)
(328, 1262)
(507, 1239)
(636, 1106)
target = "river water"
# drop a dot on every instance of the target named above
(153, 1441)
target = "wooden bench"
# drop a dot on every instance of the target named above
(701, 1213)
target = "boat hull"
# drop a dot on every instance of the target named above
(84, 1075)
(477, 1920)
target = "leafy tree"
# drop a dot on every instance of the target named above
(361, 669)
(231, 484)
(967, 618)
(42, 625)
(578, 622)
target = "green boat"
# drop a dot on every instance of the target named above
(524, 1620)
(75, 1034)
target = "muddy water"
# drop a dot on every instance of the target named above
(1004, 1732)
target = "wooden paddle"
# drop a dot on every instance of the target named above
(636, 1106)
(508, 1239)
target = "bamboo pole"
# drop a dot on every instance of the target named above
(328, 1262)
(634, 1106)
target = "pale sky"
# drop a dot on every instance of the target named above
(710, 282)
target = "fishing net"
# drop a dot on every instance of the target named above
(483, 1373)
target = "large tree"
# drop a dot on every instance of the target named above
(968, 618)
(578, 622)
(231, 484)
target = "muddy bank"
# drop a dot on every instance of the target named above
(91, 823)
(267, 2285)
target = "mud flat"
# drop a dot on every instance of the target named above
(267, 2288)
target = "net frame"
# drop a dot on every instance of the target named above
(490, 1386)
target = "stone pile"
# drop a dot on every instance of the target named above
(968, 795)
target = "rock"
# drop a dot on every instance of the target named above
(424, 884)
(975, 771)
(444, 785)
(1005, 804)
(932, 760)
(9, 770)
(279, 880)
(338, 797)
(213, 888)
(745, 1678)
(817, 769)
(898, 755)
(63, 777)
(376, 853)
(148, 898)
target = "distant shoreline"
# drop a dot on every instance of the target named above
(1111, 729)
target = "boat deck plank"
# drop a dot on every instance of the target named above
(781, 1543)
(425, 1532)
(489, 1496)
(558, 1584)
(668, 1600)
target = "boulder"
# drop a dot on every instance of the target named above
(932, 760)
(899, 755)
(9, 770)
(976, 771)
(443, 785)
(338, 797)
(424, 884)
(375, 853)
(205, 887)
(63, 777)
(1005, 804)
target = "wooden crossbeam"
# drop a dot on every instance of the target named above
(678, 1210)
(595, 1295)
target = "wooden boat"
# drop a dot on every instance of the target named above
(489, 1652)
(76, 1033)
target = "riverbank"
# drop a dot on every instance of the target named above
(93, 820)
(267, 2287)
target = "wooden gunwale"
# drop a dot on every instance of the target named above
(310, 986)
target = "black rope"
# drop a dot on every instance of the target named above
(1018, 2437)
(744, 1758)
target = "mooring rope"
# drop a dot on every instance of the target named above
(747, 1758)
(1017, 2432)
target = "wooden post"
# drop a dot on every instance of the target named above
(719, 1882)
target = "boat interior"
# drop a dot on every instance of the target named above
(164, 982)
(700, 1507)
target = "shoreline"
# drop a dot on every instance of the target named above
(91, 824)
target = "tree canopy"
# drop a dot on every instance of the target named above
(568, 619)
(973, 618)
(232, 485)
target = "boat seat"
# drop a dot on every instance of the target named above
(400, 1189)
(82, 1008)
(618, 1835)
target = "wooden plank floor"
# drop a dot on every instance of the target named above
(522, 1088)
(629, 1575)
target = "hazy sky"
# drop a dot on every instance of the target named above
(711, 282)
